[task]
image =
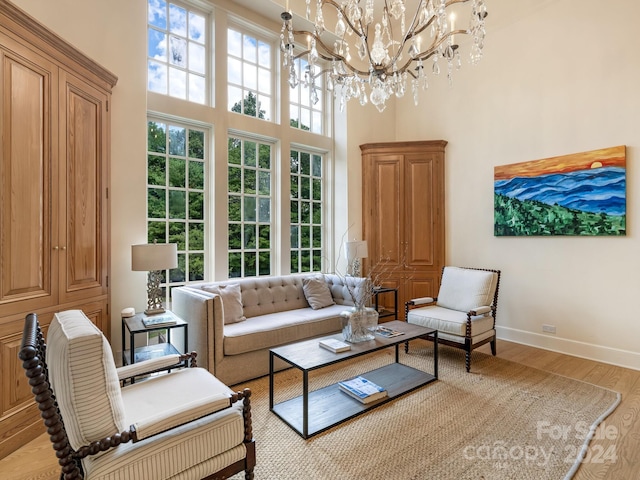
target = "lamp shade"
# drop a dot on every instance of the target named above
(154, 256)
(356, 249)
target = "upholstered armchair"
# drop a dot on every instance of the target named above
(185, 424)
(464, 312)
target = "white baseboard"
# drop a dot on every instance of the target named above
(599, 353)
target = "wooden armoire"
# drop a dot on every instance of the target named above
(403, 216)
(54, 205)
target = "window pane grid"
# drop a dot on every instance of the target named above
(175, 197)
(249, 75)
(306, 199)
(177, 48)
(249, 177)
(307, 104)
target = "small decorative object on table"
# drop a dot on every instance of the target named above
(334, 345)
(359, 324)
(362, 389)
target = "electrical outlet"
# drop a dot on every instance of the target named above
(548, 328)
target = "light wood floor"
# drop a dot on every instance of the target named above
(36, 460)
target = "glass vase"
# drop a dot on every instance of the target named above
(359, 324)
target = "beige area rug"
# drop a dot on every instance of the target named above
(503, 420)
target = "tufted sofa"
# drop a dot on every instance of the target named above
(276, 310)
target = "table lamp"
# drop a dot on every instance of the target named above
(355, 250)
(153, 258)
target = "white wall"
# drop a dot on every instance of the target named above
(557, 78)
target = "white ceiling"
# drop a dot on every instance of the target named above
(501, 12)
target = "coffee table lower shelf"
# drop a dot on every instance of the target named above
(329, 406)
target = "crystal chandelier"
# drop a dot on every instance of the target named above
(393, 49)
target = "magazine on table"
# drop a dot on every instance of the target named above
(158, 321)
(362, 389)
(387, 332)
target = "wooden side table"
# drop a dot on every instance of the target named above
(134, 325)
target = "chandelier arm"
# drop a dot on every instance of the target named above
(333, 55)
(453, 2)
(344, 14)
(436, 45)
(432, 19)
(410, 33)
(429, 52)
(390, 31)
(361, 33)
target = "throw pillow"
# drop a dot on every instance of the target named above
(317, 293)
(231, 301)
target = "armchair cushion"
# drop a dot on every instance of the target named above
(449, 321)
(173, 452)
(464, 289)
(83, 375)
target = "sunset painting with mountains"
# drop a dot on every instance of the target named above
(577, 194)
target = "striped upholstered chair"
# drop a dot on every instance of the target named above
(180, 425)
(464, 312)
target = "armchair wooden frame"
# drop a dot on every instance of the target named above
(33, 356)
(467, 345)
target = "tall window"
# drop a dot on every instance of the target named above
(249, 211)
(241, 200)
(250, 75)
(307, 103)
(177, 49)
(176, 196)
(306, 212)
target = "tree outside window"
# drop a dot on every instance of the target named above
(176, 197)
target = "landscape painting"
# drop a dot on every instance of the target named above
(578, 194)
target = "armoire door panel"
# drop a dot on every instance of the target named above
(386, 247)
(83, 252)
(15, 387)
(27, 216)
(419, 212)
(421, 285)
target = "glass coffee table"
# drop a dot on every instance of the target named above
(316, 411)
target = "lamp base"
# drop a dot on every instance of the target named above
(154, 311)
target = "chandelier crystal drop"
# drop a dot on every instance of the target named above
(389, 55)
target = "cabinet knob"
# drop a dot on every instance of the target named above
(55, 248)
(64, 248)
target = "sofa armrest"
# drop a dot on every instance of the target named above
(203, 311)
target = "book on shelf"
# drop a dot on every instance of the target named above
(362, 389)
(387, 332)
(334, 345)
(158, 321)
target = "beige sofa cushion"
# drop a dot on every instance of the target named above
(84, 379)
(317, 292)
(271, 330)
(231, 301)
